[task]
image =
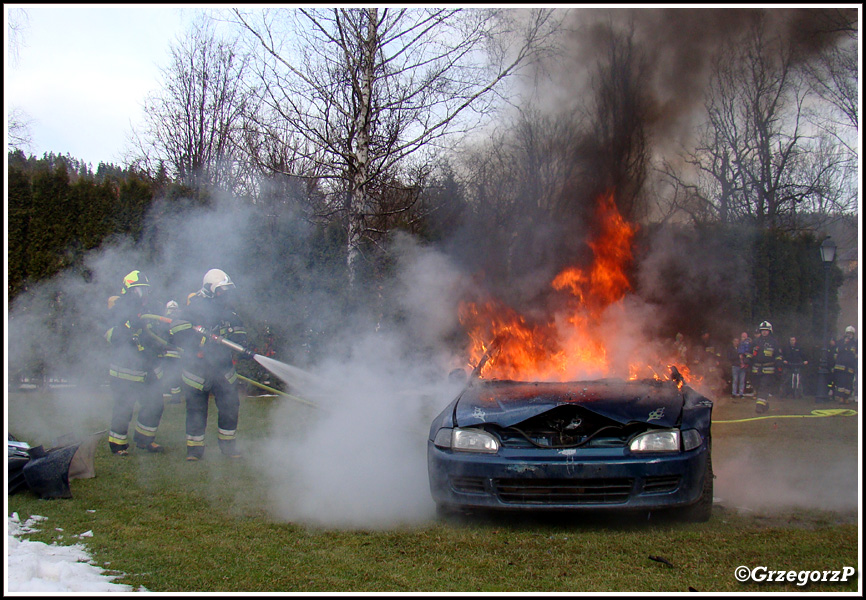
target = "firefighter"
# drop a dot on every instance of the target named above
(207, 365)
(766, 361)
(844, 366)
(134, 369)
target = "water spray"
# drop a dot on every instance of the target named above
(288, 373)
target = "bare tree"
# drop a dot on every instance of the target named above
(194, 124)
(361, 93)
(16, 24)
(758, 158)
(715, 188)
(833, 76)
(19, 129)
(18, 123)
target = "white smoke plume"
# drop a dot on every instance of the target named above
(359, 460)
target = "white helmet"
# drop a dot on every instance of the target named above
(766, 325)
(850, 329)
(213, 280)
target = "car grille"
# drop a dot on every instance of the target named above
(470, 485)
(661, 483)
(563, 491)
(509, 440)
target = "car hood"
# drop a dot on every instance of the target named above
(507, 403)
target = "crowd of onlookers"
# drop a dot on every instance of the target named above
(760, 365)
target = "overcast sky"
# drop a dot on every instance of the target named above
(82, 72)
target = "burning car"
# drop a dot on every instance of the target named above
(601, 444)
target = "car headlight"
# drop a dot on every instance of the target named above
(666, 440)
(691, 439)
(466, 440)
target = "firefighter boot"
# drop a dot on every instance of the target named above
(229, 448)
(761, 406)
(194, 453)
(145, 442)
(119, 449)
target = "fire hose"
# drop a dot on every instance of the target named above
(237, 348)
(276, 391)
(818, 412)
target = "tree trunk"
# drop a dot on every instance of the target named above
(358, 192)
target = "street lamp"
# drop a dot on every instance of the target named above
(828, 255)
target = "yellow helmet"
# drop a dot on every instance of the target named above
(135, 282)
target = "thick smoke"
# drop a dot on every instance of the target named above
(680, 46)
(359, 460)
(750, 479)
(662, 65)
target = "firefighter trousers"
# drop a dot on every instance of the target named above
(764, 384)
(126, 394)
(227, 404)
(843, 384)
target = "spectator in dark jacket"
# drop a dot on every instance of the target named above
(792, 362)
(738, 369)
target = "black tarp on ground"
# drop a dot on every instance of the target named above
(47, 472)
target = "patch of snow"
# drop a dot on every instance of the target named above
(38, 567)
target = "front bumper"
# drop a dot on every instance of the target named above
(544, 479)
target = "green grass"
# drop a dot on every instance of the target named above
(172, 526)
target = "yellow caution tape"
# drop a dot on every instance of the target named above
(818, 412)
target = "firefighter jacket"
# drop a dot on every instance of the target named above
(792, 356)
(135, 350)
(204, 358)
(766, 355)
(845, 356)
(160, 329)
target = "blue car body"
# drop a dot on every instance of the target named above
(567, 446)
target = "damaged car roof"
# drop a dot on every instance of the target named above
(506, 403)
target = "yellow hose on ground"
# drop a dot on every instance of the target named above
(276, 391)
(818, 412)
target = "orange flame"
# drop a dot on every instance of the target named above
(571, 341)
